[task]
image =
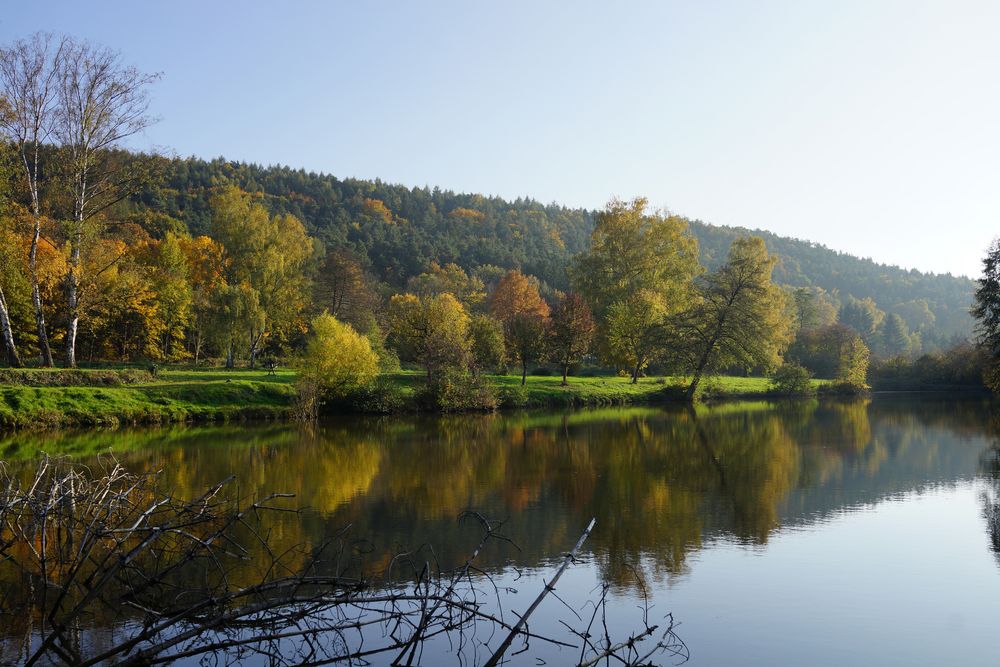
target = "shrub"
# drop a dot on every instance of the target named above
(513, 396)
(73, 377)
(842, 389)
(454, 391)
(792, 380)
(383, 396)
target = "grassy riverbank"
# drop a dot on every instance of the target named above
(173, 396)
(52, 398)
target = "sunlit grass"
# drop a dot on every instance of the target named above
(181, 394)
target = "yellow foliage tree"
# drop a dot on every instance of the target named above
(337, 361)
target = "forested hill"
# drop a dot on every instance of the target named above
(399, 230)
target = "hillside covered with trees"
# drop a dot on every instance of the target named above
(397, 231)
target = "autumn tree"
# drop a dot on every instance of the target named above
(852, 367)
(432, 331)
(204, 260)
(29, 78)
(636, 274)
(342, 288)
(571, 332)
(8, 262)
(524, 314)
(100, 103)
(739, 316)
(336, 361)
(173, 294)
(450, 278)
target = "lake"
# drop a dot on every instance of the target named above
(799, 532)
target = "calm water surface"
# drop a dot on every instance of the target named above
(820, 533)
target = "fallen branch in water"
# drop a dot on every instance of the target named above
(100, 566)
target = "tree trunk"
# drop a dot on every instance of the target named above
(635, 373)
(36, 296)
(8, 333)
(689, 395)
(231, 354)
(73, 299)
(524, 371)
(702, 363)
(565, 373)
(254, 347)
(197, 346)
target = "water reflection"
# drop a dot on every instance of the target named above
(660, 482)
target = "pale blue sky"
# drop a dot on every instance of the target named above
(872, 127)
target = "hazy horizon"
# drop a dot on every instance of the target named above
(868, 129)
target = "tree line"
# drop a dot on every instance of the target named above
(639, 300)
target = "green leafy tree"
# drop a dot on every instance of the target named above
(820, 350)
(266, 258)
(862, 315)
(813, 308)
(986, 310)
(740, 316)
(894, 336)
(853, 363)
(639, 264)
(634, 331)
(793, 380)
(489, 351)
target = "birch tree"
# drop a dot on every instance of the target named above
(101, 102)
(28, 83)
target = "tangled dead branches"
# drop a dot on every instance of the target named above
(101, 567)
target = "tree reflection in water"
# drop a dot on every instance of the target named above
(660, 482)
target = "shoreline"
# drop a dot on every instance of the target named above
(205, 396)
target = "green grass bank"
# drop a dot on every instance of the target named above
(43, 398)
(94, 398)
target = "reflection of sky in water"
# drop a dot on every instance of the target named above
(818, 533)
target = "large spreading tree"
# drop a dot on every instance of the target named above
(739, 317)
(636, 274)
